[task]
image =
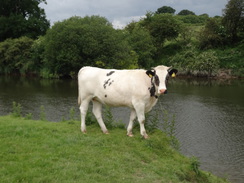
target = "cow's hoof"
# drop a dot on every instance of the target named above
(106, 132)
(83, 131)
(130, 134)
(146, 136)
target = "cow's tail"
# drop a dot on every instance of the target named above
(79, 78)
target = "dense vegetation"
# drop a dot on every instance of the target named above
(195, 44)
(41, 151)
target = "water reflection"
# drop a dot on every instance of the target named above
(209, 115)
(57, 96)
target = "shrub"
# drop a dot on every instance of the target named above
(77, 42)
(15, 56)
(212, 35)
(17, 108)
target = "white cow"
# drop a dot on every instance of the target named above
(136, 89)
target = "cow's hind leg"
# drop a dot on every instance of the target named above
(97, 111)
(83, 110)
(130, 125)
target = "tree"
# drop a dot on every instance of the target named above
(15, 56)
(213, 34)
(165, 9)
(186, 12)
(22, 18)
(77, 42)
(161, 28)
(142, 43)
(233, 18)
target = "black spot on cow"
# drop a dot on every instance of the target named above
(110, 82)
(152, 91)
(106, 83)
(105, 96)
(110, 73)
(157, 80)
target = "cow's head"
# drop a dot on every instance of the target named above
(160, 76)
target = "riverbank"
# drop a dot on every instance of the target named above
(41, 151)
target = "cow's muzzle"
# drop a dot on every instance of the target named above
(163, 91)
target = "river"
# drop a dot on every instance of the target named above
(209, 115)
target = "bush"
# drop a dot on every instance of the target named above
(162, 27)
(15, 56)
(212, 35)
(142, 44)
(194, 63)
(207, 63)
(77, 42)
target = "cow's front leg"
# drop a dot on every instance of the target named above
(97, 111)
(140, 111)
(130, 125)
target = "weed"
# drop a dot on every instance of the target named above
(17, 108)
(108, 117)
(195, 164)
(42, 113)
(90, 118)
(28, 116)
(72, 114)
(109, 120)
(152, 119)
(168, 126)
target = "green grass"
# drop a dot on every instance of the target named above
(41, 151)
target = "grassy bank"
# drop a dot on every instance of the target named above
(39, 151)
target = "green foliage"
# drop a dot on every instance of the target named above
(195, 165)
(153, 124)
(15, 56)
(28, 116)
(165, 9)
(37, 55)
(207, 62)
(193, 19)
(232, 58)
(196, 63)
(22, 18)
(159, 38)
(109, 120)
(162, 27)
(17, 110)
(213, 35)
(186, 12)
(108, 117)
(142, 43)
(42, 113)
(233, 18)
(72, 114)
(77, 42)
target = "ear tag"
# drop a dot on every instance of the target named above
(150, 75)
(173, 75)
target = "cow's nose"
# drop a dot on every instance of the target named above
(162, 91)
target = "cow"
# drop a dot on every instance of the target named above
(137, 89)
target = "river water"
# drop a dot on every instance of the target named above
(209, 115)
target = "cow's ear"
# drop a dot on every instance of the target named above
(172, 72)
(150, 73)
